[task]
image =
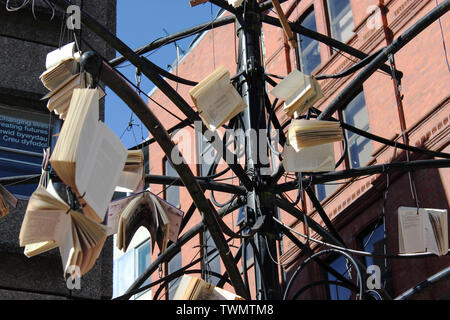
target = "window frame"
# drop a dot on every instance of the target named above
(332, 22)
(354, 136)
(301, 51)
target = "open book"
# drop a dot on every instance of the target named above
(216, 100)
(191, 288)
(298, 91)
(6, 198)
(423, 230)
(62, 77)
(49, 222)
(88, 156)
(159, 217)
(313, 159)
(309, 133)
(131, 178)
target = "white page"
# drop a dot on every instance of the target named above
(67, 249)
(217, 103)
(411, 226)
(432, 237)
(100, 174)
(314, 159)
(129, 181)
(293, 84)
(55, 57)
(42, 225)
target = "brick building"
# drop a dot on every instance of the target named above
(24, 44)
(354, 205)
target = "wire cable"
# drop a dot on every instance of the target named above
(359, 252)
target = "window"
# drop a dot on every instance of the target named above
(123, 273)
(174, 265)
(338, 292)
(373, 241)
(129, 267)
(24, 135)
(325, 190)
(359, 148)
(172, 192)
(309, 48)
(341, 19)
(212, 261)
(143, 257)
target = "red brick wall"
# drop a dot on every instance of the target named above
(354, 205)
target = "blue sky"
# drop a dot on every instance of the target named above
(139, 22)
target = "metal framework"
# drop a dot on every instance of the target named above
(261, 194)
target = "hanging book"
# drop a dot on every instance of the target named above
(132, 177)
(6, 198)
(62, 77)
(309, 133)
(49, 222)
(235, 3)
(160, 218)
(191, 288)
(88, 156)
(298, 91)
(423, 230)
(216, 100)
(66, 52)
(313, 159)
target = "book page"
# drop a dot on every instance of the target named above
(217, 103)
(314, 159)
(55, 57)
(98, 170)
(175, 216)
(293, 85)
(67, 249)
(115, 209)
(436, 231)
(43, 225)
(129, 180)
(411, 229)
(8, 196)
(33, 249)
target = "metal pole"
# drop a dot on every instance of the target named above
(253, 88)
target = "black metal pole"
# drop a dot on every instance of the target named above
(253, 88)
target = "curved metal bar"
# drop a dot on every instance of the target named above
(346, 255)
(321, 263)
(440, 276)
(140, 108)
(320, 282)
(148, 69)
(174, 248)
(175, 37)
